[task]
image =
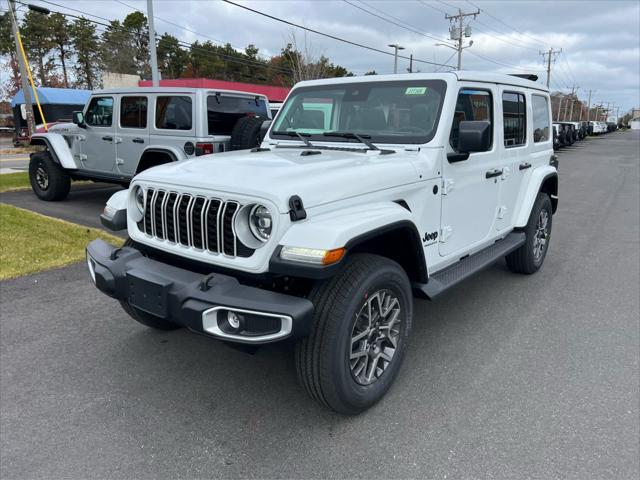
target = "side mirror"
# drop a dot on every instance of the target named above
(264, 128)
(474, 136)
(78, 119)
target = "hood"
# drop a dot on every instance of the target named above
(280, 173)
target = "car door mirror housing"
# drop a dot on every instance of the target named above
(474, 136)
(78, 119)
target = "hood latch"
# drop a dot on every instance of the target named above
(297, 211)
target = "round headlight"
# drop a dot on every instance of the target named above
(260, 222)
(138, 196)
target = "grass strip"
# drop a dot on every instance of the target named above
(14, 181)
(30, 242)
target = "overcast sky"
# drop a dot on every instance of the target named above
(600, 40)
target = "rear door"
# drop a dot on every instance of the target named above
(98, 148)
(514, 148)
(132, 133)
(470, 194)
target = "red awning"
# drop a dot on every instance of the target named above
(274, 94)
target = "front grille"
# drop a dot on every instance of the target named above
(193, 221)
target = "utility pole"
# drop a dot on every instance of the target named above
(31, 125)
(410, 69)
(589, 107)
(573, 101)
(458, 31)
(566, 106)
(155, 78)
(396, 47)
(549, 54)
(559, 107)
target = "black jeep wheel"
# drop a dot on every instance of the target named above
(529, 257)
(48, 180)
(361, 328)
(246, 133)
(142, 317)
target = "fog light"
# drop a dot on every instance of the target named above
(234, 320)
(91, 264)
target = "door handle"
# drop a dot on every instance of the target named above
(107, 138)
(524, 166)
(496, 172)
(138, 140)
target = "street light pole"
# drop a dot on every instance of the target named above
(155, 77)
(28, 103)
(396, 47)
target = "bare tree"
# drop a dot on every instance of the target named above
(307, 62)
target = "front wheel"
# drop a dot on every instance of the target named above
(48, 180)
(361, 327)
(529, 257)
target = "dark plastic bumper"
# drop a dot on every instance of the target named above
(182, 296)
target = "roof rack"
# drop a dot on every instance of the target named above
(526, 76)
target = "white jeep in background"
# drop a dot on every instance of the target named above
(123, 132)
(364, 192)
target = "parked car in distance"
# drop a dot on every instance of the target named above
(364, 192)
(122, 132)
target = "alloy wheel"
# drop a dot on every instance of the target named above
(541, 235)
(375, 336)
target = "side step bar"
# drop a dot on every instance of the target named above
(456, 273)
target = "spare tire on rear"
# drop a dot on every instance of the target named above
(246, 133)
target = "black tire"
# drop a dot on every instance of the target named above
(246, 133)
(323, 360)
(48, 180)
(528, 259)
(145, 318)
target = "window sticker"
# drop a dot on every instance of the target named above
(415, 91)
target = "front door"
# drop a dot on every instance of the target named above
(132, 133)
(98, 147)
(470, 187)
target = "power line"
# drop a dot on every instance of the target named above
(333, 37)
(406, 26)
(431, 6)
(505, 24)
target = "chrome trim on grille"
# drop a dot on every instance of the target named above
(173, 234)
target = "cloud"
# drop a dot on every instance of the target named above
(599, 39)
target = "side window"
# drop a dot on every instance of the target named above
(540, 107)
(514, 115)
(173, 113)
(471, 105)
(100, 112)
(133, 112)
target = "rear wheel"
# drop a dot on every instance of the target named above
(362, 323)
(529, 257)
(48, 180)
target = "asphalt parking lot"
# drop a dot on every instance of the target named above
(507, 376)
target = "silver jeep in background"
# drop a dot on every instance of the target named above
(123, 132)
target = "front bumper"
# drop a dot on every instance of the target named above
(200, 303)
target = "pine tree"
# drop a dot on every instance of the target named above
(36, 35)
(86, 48)
(61, 39)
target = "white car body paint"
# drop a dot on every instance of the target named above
(347, 194)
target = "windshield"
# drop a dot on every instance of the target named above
(385, 112)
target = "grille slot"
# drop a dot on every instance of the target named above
(193, 221)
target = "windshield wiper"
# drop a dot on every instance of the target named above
(362, 138)
(300, 135)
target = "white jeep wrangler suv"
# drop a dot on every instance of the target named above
(364, 192)
(122, 132)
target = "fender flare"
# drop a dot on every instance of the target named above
(57, 146)
(347, 228)
(538, 177)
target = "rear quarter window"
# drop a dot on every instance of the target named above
(174, 112)
(540, 107)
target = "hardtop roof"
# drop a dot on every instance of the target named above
(143, 90)
(462, 75)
